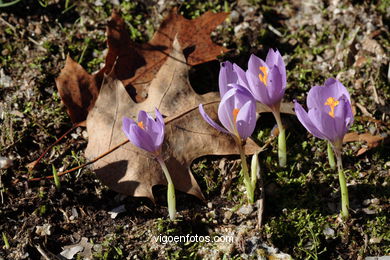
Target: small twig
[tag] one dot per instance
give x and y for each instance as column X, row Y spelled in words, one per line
column 83, row 165
column 40, row 250
column 8, row 24
column 34, row 163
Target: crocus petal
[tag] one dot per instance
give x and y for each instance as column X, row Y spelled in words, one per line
column 226, row 76
column 241, row 96
column 160, row 128
column 143, row 117
column 275, row 58
column 348, row 112
column 275, row 87
column 315, row 97
column 339, row 119
column 324, row 123
column 338, row 87
column 246, row 119
column 225, row 110
column 254, row 65
column 241, row 76
column 210, row 121
column 258, row 89
column 141, row 139
column 126, row 122
column 306, row 121
column 318, row 95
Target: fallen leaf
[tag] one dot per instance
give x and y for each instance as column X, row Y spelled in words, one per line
column 140, row 63
column 78, row 90
column 84, row 248
column 136, row 65
column 371, row 140
column 132, row 171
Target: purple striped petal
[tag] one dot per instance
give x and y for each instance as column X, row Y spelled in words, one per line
column 246, row 119
column 226, row 76
column 306, row 121
column 210, row 121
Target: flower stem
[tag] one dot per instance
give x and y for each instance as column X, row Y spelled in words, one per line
column 250, row 189
column 343, row 184
column 332, row 162
column 282, row 151
column 171, row 190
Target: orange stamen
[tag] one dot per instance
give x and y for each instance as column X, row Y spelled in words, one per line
column 141, row 125
column 263, row 77
column 235, row 113
column 332, row 103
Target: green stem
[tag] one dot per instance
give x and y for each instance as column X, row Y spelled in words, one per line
column 282, row 151
column 343, row 183
column 247, row 181
column 331, row 160
column 171, row 190
column 56, row 179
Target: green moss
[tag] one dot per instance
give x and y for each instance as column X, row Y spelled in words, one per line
column 302, row 227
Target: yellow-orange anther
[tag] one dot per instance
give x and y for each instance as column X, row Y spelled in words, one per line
column 141, row 124
column 235, row 113
column 332, row 103
column 263, row 77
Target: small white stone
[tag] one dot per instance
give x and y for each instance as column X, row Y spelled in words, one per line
column 245, row 210
column 366, row 202
column 375, row 240
column 375, row 201
column 329, row 232
column 5, row 162
column 43, row 230
column 114, row 212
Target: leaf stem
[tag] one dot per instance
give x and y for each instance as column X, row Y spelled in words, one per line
column 171, row 189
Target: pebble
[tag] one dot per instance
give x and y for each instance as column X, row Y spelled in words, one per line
column 369, row 211
column 375, row 240
column 43, row 230
column 210, row 205
column 234, row 16
column 5, row 162
column 328, row 232
column 366, row 202
column 211, row 214
column 227, row 215
column 375, row 201
column 245, row 210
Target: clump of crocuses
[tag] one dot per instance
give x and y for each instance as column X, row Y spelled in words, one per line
column 237, row 114
column 266, row 81
column 329, row 118
column 148, row 134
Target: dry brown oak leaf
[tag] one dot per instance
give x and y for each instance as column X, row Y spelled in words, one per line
column 372, row 141
column 137, row 64
column 132, row 171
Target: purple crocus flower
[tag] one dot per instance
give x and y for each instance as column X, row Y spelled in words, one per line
column 147, row 133
column 265, row 80
column 236, row 112
column 227, row 76
column 330, row 113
